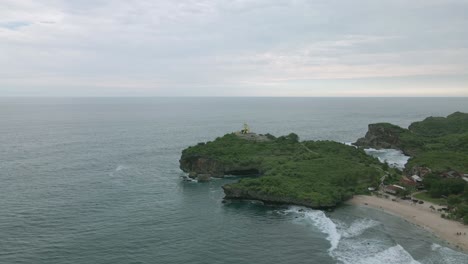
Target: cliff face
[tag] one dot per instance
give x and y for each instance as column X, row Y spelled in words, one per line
column 437, row 144
column 203, row 168
column 381, row 135
column 195, row 165
column 233, row 192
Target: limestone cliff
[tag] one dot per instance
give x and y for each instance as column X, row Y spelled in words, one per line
column 233, row 192
column 437, row 144
column 203, row 168
column 381, row 135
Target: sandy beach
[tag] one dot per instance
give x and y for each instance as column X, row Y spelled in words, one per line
column 421, row 215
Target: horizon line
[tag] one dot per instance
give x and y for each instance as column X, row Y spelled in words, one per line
column 208, row 96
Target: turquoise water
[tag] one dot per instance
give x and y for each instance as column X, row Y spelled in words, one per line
column 96, row 180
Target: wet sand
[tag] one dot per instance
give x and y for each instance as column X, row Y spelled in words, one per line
column 421, row 215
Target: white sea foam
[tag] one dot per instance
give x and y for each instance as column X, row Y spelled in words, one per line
column 435, row 247
column 121, row 167
column 326, row 226
column 394, row 158
column 347, row 244
column 350, row 144
column 395, row 255
column 358, row 227
column 445, row 255
column 322, row 222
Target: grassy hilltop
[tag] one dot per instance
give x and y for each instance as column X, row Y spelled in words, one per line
column 312, row 173
column 439, row 143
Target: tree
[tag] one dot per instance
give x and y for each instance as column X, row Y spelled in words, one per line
column 453, row 200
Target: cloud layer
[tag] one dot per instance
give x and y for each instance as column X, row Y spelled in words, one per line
column 234, row 48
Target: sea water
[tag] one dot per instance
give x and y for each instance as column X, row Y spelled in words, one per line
column 96, row 180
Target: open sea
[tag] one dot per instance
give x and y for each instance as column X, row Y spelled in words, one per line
column 97, row 180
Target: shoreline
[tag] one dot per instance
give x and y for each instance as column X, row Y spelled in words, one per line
column 420, row 215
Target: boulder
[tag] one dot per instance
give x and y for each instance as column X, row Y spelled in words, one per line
column 381, row 136
column 203, row 177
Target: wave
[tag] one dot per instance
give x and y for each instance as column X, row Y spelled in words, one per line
column 358, row 227
column 394, row 158
column 326, row 226
column 321, row 221
column 121, row 167
column 445, row 255
column 395, row 255
column 347, row 244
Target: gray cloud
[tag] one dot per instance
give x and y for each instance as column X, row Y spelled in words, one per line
column 234, row 47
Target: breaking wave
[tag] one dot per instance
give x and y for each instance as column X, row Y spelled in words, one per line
column 326, row 226
column 119, row 168
column 346, row 244
column 358, row 227
column 445, row 255
column 394, row 158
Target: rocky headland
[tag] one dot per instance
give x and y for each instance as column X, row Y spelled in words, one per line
column 381, row 136
column 438, row 147
column 323, row 174
column 284, row 170
column 438, row 143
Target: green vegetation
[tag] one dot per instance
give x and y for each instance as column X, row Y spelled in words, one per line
column 321, row 173
column 441, row 161
column 391, row 128
column 393, row 177
column 452, row 192
column 324, row 173
column 440, row 144
column 426, row 197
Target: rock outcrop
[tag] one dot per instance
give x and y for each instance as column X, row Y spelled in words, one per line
column 235, row 193
column 195, row 165
column 303, row 173
column 436, row 144
column 203, row 168
column 381, row 135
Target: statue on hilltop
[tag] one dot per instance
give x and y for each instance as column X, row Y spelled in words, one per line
column 246, row 129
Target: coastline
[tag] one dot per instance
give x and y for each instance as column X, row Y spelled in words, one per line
column 420, row 215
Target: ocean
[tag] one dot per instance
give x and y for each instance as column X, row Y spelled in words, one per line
column 97, row 180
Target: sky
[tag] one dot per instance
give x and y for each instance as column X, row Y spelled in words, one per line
column 234, row 48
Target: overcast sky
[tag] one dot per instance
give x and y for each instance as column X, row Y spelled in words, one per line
column 233, row 48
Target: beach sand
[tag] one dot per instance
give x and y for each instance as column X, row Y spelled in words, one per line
column 421, row 215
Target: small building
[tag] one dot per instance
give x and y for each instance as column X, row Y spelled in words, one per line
column 416, row 178
column 390, row 189
column 408, row 182
column 393, row 189
column 451, row 174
